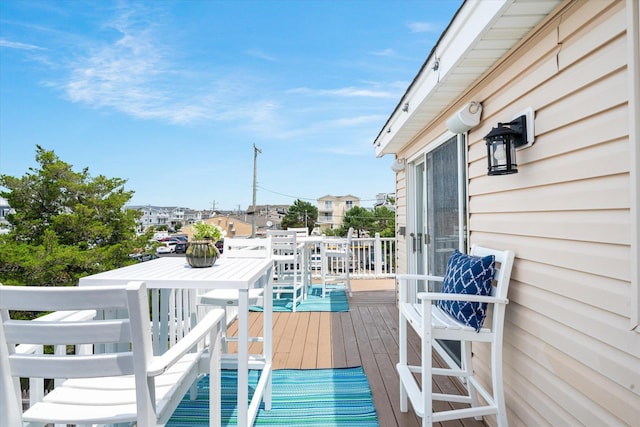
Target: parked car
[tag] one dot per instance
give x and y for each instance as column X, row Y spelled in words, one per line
column 166, row 248
column 180, row 248
column 169, row 239
column 142, row 257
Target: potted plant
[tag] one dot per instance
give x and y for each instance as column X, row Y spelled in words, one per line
column 202, row 251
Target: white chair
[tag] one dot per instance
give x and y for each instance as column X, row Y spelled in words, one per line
column 300, row 231
column 434, row 322
column 288, row 259
column 336, row 262
column 125, row 383
column 236, row 247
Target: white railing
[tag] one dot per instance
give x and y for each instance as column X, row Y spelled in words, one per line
column 371, row 258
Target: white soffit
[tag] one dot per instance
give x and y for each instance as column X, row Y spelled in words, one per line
column 480, row 34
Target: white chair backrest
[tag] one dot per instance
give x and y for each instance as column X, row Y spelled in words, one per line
column 350, row 235
column 110, row 327
column 300, row 231
column 283, row 242
column 114, row 334
column 504, row 264
column 245, row 248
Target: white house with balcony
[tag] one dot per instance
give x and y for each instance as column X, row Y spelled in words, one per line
column 155, row 216
column 331, row 210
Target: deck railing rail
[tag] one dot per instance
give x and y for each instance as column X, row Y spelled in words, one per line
column 371, row 258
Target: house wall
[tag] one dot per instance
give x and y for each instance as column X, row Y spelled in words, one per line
column 571, row 356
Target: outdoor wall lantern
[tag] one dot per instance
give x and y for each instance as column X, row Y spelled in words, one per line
column 503, row 140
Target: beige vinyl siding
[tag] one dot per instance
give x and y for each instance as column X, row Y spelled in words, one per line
column 571, row 357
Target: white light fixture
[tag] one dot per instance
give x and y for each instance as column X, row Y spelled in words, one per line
column 398, row 165
column 466, row 118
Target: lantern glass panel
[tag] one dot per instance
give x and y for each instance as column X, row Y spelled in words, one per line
column 502, row 155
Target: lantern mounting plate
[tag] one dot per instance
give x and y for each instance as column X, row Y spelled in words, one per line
column 528, row 136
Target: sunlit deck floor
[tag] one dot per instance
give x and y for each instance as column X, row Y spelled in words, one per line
column 366, row 335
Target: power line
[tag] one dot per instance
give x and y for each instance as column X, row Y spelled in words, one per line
column 303, row 198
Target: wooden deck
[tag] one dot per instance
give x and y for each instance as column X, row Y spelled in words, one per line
column 366, row 335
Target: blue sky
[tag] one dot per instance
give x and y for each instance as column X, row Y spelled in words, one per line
column 172, row 95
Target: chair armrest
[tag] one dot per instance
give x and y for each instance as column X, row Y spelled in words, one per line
column 420, row 277
column 403, row 280
column 437, row 296
column 163, row 362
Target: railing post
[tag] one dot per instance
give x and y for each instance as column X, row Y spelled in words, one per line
column 378, row 255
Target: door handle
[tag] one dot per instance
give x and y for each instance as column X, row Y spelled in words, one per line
column 420, row 241
column 413, row 240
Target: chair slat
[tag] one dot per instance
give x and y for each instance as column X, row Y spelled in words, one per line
column 89, row 366
column 32, row 298
column 100, row 331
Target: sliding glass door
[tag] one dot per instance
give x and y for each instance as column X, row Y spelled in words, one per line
column 437, row 209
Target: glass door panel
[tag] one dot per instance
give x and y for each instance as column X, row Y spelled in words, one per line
column 443, row 208
column 445, row 212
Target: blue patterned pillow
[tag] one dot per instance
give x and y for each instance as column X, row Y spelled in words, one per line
column 472, row 275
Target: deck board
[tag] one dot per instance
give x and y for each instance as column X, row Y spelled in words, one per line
column 366, row 335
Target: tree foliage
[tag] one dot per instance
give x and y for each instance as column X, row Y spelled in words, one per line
column 383, row 222
column 66, row 224
column 365, row 222
column 300, row 214
column 359, row 218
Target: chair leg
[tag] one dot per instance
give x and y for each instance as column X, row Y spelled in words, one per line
column 467, row 366
column 348, row 278
column 427, row 375
column 404, row 400
column 223, row 334
column 498, row 388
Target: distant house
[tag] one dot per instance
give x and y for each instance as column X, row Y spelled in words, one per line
column 5, row 209
column 155, row 216
column 386, row 200
column 331, row 210
column 230, row 225
column 570, row 213
column 267, row 217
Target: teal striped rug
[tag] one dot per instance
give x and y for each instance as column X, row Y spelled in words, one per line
column 309, row 397
column 335, row 300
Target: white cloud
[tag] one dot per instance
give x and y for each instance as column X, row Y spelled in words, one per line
column 257, row 53
column 384, row 52
column 422, row 27
column 18, row 45
column 343, row 92
column 134, row 75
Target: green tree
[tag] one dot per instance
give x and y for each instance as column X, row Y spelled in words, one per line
column 66, row 224
column 383, row 222
column 359, row 218
column 300, row 214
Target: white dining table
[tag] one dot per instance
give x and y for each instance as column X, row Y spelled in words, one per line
column 240, row 274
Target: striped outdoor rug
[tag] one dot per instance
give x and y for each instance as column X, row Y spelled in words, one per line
column 335, row 300
column 310, row 397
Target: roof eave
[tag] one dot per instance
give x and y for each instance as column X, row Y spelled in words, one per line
column 479, row 35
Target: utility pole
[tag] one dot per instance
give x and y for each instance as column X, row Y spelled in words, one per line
column 256, row 151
